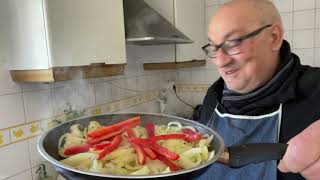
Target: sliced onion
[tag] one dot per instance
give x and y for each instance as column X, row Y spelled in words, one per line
column 176, row 124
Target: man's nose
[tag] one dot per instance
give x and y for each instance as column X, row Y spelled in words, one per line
column 222, row 59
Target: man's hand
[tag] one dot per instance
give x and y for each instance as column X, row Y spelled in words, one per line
column 303, row 153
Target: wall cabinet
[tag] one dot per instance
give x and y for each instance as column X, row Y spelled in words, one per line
column 49, row 34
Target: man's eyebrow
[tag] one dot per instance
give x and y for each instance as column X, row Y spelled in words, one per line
column 225, row 37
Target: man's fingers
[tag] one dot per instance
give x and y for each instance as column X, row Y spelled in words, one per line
column 283, row 167
column 303, row 150
column 313, row 171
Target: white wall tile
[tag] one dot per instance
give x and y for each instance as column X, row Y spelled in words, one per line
column 303, row 39
column 288, row 36
column 79, row 95
column 306, row 56
column 149, row 107
column 317, row 38
column 145, row 83
column 125, row 87
column 7, row 86
column 284, row 5
column 198, row 97
column 198, row 76
column 302, row 5
column 79, row 82
column 35, row 86
column 116, row 89
column 151, row 82
column 287, row 20
column 317, row 25
column 38, row 105
column 103, row 93
column 212, row 2
column 35, row 156
column 317, row 3
column 131, row 87
column 211, row 76
column 176, row 107
column 304, row 19
column 184, row 77
column 317, row 57
column 14, row 159
column 12, row 111
column 26, row 175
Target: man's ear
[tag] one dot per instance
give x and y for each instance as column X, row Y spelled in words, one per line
column 277, row 34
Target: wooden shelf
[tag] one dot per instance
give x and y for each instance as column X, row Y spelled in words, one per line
column 67, row 73
column 174, row 65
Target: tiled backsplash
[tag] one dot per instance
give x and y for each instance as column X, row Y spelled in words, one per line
column 27, row 109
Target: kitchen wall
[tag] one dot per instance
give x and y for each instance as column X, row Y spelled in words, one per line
column 24, row 105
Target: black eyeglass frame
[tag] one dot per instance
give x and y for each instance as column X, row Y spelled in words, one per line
column 238, row 40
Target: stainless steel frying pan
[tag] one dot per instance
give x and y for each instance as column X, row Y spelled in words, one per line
column 235, row 157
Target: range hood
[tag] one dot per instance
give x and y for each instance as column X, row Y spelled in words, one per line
column 145, row 26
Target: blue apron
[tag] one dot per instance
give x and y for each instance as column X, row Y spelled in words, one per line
column 237, row 129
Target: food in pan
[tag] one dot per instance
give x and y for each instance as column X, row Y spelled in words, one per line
column 127, row 148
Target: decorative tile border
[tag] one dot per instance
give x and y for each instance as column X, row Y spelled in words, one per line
column 4, row 137
column 29, row 130
column 192, row 87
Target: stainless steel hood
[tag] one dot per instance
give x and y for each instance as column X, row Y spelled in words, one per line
column 145, row 26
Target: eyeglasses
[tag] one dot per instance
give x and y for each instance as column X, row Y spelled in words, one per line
column 230, row 47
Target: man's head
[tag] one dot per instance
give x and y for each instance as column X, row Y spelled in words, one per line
column 252, row 59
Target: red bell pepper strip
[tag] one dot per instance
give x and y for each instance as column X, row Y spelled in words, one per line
column 76, row 149
column 140, row 153
column 164, row 151
column 131, row 133
column 150, row 130
column 157, row 148
column 101, row 146
column 114, row 145
column 168, row 163
column 109, row 135
column 191, row 135
column 137, row 147
column 107, row 129
column 149, row 153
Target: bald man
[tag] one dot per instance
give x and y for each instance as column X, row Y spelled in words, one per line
column 264, row 93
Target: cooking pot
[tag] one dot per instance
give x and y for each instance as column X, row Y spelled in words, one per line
column 235, row 156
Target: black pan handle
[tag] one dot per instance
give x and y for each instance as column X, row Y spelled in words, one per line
column 245, row 154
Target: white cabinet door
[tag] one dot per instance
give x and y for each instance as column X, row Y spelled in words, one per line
column 28, row 48
column 82, row 32
column 190, row 19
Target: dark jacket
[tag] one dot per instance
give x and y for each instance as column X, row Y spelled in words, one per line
column 298, row 91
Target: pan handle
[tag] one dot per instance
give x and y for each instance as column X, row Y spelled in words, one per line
column 246, row 154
